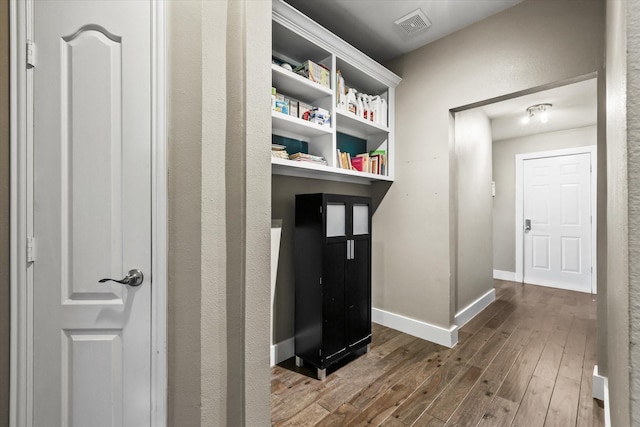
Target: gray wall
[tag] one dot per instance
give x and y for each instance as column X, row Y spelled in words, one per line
column 4, row 213
column 184, row 144
column 504, row 153
column 474, row 275
column 633, row 181
column 502, row 54
column 623, row 164
column 219, row 219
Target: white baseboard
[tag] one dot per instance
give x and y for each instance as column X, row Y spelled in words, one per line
column 504, row 275
column 607, row 407
column 417, row 328
column 598, row 384
column 473, row 309
column 282, row 351
column 600, row 390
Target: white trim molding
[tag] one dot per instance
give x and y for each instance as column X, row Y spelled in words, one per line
column 282, row 351
column 19, row 397
column 416, row 328
column 159, row 216
column 504, row 275
column 519, row 168
column 473, row 309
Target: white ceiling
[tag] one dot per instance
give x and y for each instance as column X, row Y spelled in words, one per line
column 369, row 24
column 574, row 106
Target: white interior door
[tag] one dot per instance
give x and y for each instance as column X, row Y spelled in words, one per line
column 557, row 222
column 91, row 213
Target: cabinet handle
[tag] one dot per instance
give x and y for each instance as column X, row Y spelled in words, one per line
column 350, row 249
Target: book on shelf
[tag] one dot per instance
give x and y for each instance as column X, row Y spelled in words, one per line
column 345, row 162
column 366, row 163
column 375, row 161
column 358, row 163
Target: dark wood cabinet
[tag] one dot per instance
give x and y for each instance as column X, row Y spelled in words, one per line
column 333, row 278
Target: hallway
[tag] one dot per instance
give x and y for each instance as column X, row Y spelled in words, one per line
column 527, row 360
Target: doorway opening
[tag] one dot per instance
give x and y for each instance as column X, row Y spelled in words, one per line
column 518, row 134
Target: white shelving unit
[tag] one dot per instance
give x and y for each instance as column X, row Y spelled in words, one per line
column 296, row 39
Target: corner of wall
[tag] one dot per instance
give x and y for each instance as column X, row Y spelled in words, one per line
column 475, row 308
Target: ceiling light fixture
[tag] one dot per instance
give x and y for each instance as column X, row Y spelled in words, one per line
column 539, row 110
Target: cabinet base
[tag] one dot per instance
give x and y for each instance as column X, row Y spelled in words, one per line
column 322, row 374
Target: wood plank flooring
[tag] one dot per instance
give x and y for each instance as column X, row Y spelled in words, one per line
column 527, row 360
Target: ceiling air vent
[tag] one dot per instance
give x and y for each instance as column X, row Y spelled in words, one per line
column 412, row 23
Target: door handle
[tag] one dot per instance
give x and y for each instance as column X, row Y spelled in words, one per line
column 133, row 278
column 527, row 225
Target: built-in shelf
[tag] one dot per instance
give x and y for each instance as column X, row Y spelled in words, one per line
column 291, row 124
column 297, row 39
column 297, row 86
column 347, row 122
column 318, row 171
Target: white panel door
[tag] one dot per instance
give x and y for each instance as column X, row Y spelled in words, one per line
column 557, row 219
column 91, row 213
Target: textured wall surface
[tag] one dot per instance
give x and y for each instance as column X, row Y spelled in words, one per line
column 633, row 146
column 504, row 209
column 219, row 217
column 633, row 142
column 184, row 146
column 500, row 55
column 4, row 213
column 618, row 317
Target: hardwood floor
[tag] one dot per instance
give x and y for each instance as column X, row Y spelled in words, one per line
column 527, row 360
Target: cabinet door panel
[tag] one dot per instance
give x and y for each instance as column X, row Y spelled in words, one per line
column 336, row 219
column 360, row 219
column 358, row 292
column 333, row 331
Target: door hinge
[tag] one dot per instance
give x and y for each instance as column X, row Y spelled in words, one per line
column 31, row 54
column 31, row 249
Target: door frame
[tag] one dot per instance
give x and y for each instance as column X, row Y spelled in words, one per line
column 21, row 155
column 519, row 168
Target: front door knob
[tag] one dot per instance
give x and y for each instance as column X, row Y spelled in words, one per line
column 133, row 278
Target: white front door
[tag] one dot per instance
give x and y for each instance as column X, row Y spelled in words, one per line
column 91, row 213
column 557, row 222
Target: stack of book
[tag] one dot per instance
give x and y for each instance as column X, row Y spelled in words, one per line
column 279, row 151
column 303, row 157
column 374, row 162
